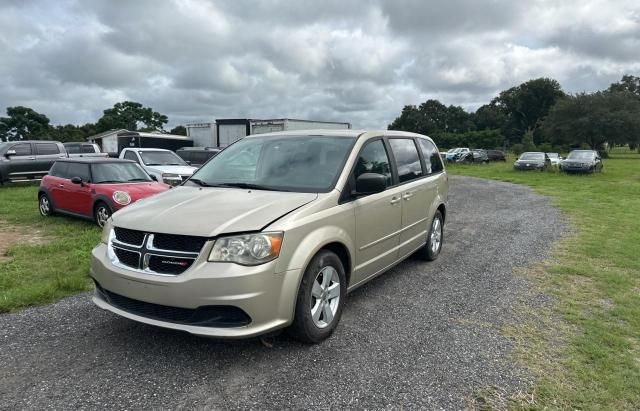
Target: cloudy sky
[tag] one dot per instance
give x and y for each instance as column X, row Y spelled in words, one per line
column 358, row 61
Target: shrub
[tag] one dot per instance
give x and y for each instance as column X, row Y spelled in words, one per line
column 517, row 149
column 546, row 148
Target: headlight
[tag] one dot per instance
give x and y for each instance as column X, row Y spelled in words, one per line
column 121, row 197
column 106, row 231
column 249, row 249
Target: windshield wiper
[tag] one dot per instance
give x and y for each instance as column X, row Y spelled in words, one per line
column 249, row 186
column 138, row 179
column 200, row 182
column 108, row 182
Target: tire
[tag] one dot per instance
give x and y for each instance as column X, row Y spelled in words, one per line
column 45, row 206
column 324, row 271
column 101, row 213
column 430, row 251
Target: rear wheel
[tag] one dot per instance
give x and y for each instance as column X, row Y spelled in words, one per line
column 320, row 298
column 101, row 213
column 431, row 250
column 44, row 205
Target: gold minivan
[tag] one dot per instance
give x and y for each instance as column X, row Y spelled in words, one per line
column 273, row 232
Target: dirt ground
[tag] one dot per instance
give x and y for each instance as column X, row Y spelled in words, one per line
column 10, row 235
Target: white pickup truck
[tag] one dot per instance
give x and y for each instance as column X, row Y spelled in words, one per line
column 163, row 165
column 81, row 149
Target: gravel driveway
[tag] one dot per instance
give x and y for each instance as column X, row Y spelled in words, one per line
column 422, row 335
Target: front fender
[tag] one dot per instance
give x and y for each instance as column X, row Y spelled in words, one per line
column 315, row 241
column 297, row 259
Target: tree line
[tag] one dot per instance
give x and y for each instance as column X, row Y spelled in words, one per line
column 537, row 114
column 24, row 123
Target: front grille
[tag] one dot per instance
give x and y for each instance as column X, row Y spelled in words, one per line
column 154, row 253
column 125, row 235
column 128, row 258
column 185, row 243
column 205, row 316
column 169, row 265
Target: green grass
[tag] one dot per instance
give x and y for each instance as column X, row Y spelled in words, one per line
column 56, row 266
column 585, row 350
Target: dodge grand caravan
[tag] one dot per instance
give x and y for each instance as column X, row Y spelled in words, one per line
column 273, row 232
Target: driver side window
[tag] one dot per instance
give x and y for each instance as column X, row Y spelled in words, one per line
column 374, row 159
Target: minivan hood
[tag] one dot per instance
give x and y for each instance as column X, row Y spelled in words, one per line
column 209, row 212
column 182, row 170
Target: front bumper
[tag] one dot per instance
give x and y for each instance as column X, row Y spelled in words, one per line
column 267, row 298
column 576, row 169
column 523, row 167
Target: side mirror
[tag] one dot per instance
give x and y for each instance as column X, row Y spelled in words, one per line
column 188, row 162
column 76, row 180
column 10, row 153
column 370, row 183
column 154, row 178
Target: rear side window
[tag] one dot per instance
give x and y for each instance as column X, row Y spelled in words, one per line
column 407, row 159
column 88, row 148
column 78, row 170
column 59, row 169
column 374, row 159
column 23, row 149
column 44, row 149
column 130, row 155
column 72, row 148
column 432, row 159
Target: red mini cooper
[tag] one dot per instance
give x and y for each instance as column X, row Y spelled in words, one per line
column 94, row 188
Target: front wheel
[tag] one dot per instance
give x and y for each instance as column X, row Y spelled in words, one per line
column 320, row 298
column 101, row 214
column 431, row 250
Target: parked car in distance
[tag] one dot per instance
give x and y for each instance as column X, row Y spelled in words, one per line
column 454, row 152
column 582, row 161
column 28, row 160
column 83, row 149
column 273, row 232
column 496, row 155
column 555, row 158
column 532, row 161
column 163, row 165
column 473, row 156
column 94, row 188
column 197, row 156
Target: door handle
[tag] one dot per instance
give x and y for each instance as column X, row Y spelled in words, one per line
column 395, row 200
column 61, row 185
column 407, row 195
column 31, row 158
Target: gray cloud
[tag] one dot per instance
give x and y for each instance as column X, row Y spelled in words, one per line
column 356, row 61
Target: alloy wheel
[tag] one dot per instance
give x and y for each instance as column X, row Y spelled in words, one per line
column 436, row 235
column 325, row 297
column 45, row 207
column 102, row 215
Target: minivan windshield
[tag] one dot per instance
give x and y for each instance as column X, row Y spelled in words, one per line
column 532, row 156
column 161, row 158
column 291, row 163
column 580, row 155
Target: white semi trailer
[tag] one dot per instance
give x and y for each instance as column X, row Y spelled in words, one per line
column 225, row 131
